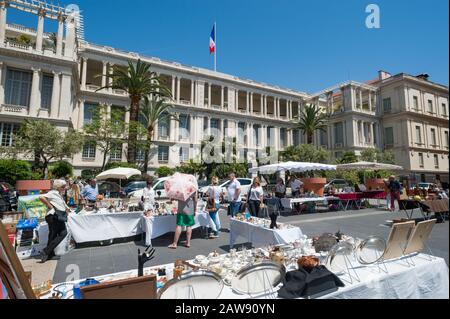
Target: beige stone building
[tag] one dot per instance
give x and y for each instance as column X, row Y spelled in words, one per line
column 57, row 79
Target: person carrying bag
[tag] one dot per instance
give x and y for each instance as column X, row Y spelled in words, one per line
column 56, row 218
column 213, row 206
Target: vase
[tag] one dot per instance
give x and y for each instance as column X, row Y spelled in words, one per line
column 315, row 185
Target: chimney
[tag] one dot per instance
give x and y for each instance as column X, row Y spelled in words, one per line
column 423, row 76
column 383, row 75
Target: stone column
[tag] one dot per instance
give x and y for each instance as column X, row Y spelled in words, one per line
column 60, row 35
column 173, row 88
column 209, row 95
column 80, row 114
column 373, row 132
column 55, row 95
column 278, row 108
column 104, row 71
column 65, row 100
column 84, row 75
column 249, row 135
column 3, row 12
column 251, row 103
column 236, row 102
column 40, row 30
column 35, row 100
column 208, row 126
column 178, row 89
column 2, row 87
column 172, row 132
column 360, row 99
column 192, row 92
column 370, row 100
column 222, row 97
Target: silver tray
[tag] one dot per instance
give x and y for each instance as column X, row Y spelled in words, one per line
column 201, row 284
column 370, row 250
column 259, row 278
column 338, row 255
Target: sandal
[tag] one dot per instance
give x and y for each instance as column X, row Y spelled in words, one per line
column 187, row 246
column 172, row 247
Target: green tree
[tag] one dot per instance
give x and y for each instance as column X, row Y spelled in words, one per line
column 138, row 81
column 112, row 165
column 310, row 120
column 193, row 168
column 347, row 158
column 23, row 39
column 105, row 130
column 151, row 112
column 376, row 155
column 12, row 170
column 305, row 153
column 46, row 143
column 164, row 171
column 60, row 169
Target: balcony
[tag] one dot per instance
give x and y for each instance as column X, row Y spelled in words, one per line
column 185, row 102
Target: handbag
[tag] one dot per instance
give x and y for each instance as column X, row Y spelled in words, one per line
column 211, row 203
column 61, row 216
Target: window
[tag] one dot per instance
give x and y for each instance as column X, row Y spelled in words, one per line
column 215, row 128
column 323, row 137
column 89, row 150
column 430, row 106
column 387, row 107
column 446, row 138
column 184, row 127
column 339, row 134
column 115, row 154
column 296, row 137
column 433, row 137
column 47, row 91
column 256, row 135
column 142, row 120
column 89, row 110
column 421, row 164
column 444, row 109
column 389, row 136
column 140, row 155
column 18, row 87
column 163, row 154
column 270, row 136
column 436, row 161
column 416, row 103
column 184, row 154
column 163, row 128
column 418, row 135
column 7, row 131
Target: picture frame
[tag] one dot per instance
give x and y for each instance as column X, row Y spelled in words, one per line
column 398, row 240
column 419, row 237
column 13, row 279
column 132, row 288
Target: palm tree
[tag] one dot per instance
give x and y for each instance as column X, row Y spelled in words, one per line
column 153, row 111
column 310, row 120
column 138, row 81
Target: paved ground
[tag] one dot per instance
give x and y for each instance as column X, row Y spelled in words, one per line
column 122, row 257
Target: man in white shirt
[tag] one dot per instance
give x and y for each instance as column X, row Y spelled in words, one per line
column 296, row 185
column 234, row 195
column 148, row 197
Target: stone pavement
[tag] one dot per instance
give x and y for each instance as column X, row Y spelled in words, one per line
column 95, row 261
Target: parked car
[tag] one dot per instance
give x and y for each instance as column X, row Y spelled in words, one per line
column 134, row 186
column 336, row 184
column 223, row 184
column 427, row 186
column 111, row 188
column 8, row 197
column 158, row 187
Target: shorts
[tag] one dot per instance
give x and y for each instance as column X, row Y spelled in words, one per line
column 185, row 220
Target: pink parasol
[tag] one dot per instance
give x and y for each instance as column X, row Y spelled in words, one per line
column 181, row 186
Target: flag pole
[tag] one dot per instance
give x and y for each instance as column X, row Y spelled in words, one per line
column 215, row 53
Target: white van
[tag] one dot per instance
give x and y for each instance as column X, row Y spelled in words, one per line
column 158, row 186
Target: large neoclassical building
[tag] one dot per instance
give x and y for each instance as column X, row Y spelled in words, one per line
column 54, row 76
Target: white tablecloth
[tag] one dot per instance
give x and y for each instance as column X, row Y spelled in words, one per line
column 289, row 202
column 155, row 227
column 260, row 236
column 108, row 226
column 427, row 279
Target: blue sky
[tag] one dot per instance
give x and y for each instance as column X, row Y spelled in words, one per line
column 303, row 45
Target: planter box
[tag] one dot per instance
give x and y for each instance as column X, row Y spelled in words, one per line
column 315, row 185
column 375, row 184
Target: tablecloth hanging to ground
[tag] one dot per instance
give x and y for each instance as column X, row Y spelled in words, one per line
column 154, row 227
column 260, row 236
column 108, row 226
column 427, row 279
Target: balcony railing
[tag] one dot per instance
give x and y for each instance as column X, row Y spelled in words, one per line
column 13, row 108
column 119, row 92
column 18, row 45
column 185, row 102
column 92, row 87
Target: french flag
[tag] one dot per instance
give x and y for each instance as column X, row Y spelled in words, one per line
column 212, row 41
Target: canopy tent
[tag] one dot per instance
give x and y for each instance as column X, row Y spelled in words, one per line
column 369, row 166
column 118, row 173
column 295, row 167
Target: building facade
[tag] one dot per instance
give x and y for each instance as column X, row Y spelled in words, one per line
column 58, row 78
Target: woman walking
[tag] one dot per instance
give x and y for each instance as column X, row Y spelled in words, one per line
column 255, row 197
column 185, row 218
column 213, row 206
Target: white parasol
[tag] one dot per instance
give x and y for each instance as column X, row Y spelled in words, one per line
column 370, row 166
column 296, row 167
column 118, row 173
column 181, row 186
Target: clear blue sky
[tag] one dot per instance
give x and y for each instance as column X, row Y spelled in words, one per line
column 303, row 45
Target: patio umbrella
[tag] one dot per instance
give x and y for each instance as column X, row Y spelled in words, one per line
column 118, row 173
column 296, row 167
column 181, row 186
column 370, row 166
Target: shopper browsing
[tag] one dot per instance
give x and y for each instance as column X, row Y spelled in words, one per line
column 255, row 197
column 234, row 194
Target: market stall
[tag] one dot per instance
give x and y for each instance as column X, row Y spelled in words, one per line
column 258, row 233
